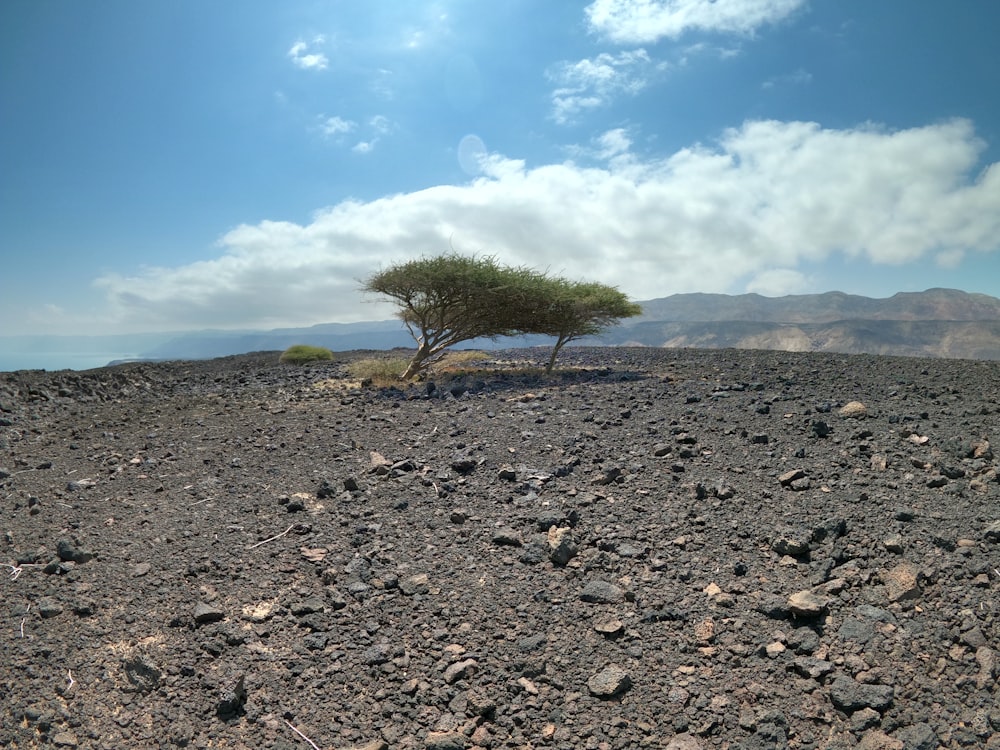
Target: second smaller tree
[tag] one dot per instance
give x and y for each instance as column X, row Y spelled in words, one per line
column 571, row 310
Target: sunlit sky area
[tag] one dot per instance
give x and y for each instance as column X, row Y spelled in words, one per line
column 174, row 165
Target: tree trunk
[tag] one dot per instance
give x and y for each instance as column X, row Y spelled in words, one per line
column 555, row 353
column 417, row 363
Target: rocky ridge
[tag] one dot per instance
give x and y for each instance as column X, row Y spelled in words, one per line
column 670, row 549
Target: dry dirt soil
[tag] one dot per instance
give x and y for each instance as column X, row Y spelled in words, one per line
column 650, row 549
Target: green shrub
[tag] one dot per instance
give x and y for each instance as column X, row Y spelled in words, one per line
column 303, row 354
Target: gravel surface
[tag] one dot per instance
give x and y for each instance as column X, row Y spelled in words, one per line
column 652, row 548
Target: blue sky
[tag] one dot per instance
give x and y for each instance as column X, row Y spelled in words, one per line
column 180, row 164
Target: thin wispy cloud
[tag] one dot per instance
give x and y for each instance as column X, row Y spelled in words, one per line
column 746, row 212
column 798, row 78
column 379, row 126
column 648, row 21
column 334, row 126
column 303, row 56
column 778, row 282
column 595, row 82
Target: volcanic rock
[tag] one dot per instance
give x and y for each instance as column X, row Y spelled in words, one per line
column 457, row 578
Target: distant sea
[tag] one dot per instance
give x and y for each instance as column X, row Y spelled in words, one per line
column 10, row 361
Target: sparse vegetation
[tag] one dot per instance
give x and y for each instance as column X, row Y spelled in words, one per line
column 303, row 354
column 379, row 371
column 384, row 372
column 572, row 310
column 452, row 298
column 453, row 360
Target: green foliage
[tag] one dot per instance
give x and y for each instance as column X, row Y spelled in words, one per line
column 452, row 298
column 303, row 354
column 572, row 310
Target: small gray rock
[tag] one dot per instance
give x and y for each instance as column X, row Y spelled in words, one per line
column 507, row 538
column 417, row 584
column 609, row 682
column 786, row 479
column 809, row 666
column 445, row 741
column 849, row 696
column 917, row 737
column 602, row 592
column 562, row 548
column 685, row 742
column 992, row 532
column 65, row 739
column 204, row 613
column 49, row 607
column 459, row 670
column 233, row 700
column 142, row 673
column 806, row 604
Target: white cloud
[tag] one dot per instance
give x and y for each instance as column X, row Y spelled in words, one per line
column 302, row 56
column 614, row 143
column 799, row 78
column 647, row 21
column 765, row 200
column 334, row 126
column 592, row 83
column 381, row 124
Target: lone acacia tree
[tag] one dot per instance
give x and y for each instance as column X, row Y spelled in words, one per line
column 451, row 298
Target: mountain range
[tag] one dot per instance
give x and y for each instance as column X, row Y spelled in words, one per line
column 933, row 323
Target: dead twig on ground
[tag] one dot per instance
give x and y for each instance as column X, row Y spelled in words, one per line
column 271, row 539
column 16, row 570
column 313, row 744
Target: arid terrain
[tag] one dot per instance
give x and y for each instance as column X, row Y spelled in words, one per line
column 652, row 548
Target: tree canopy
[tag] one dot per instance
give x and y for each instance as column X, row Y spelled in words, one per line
column 446, row 299
column 572, row 310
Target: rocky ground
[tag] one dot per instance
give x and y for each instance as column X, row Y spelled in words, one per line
column 652, row 549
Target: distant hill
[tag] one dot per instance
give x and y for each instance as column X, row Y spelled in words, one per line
column 934, row 323
column 933, row 304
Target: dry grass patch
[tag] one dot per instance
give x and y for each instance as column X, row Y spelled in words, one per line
column 378, row 371
column 457, row 359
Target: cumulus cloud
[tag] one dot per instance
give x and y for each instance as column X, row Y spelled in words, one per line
column 648, row 21
column 592, row 83
column 744, row 212
column 302, row 56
